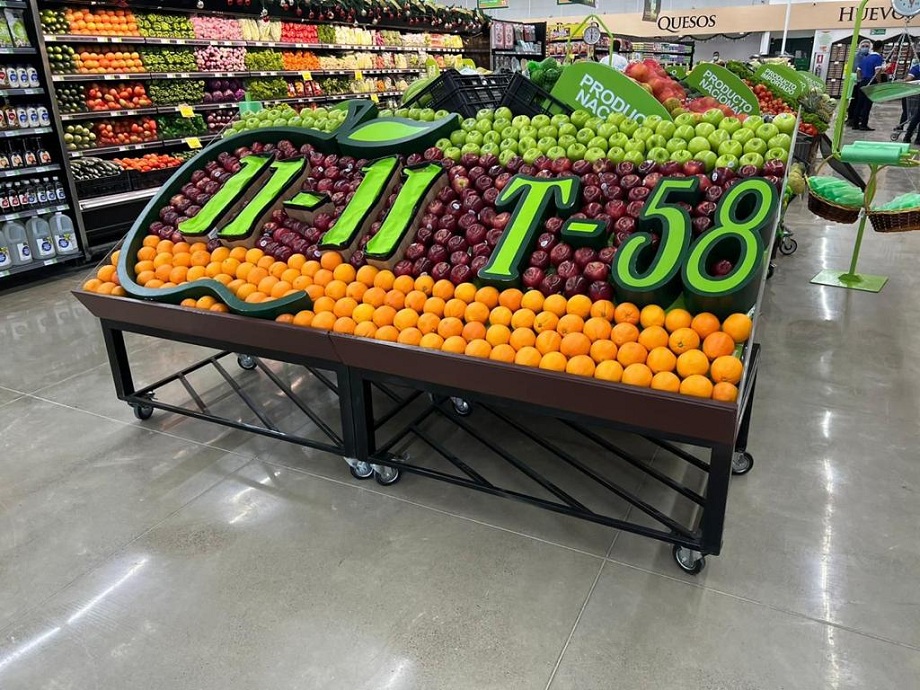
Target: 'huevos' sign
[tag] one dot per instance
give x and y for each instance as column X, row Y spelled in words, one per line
column 602, row 90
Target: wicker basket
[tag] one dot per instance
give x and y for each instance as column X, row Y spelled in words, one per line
column 895, row 221
column 831, row 211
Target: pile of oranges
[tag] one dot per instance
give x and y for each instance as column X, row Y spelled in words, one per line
column 108, row 62
column 672, row 351
column 101, row 22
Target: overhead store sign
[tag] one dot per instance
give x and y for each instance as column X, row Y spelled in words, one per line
column 586, row 3
column 783, row 79
column 492, row 4
column 603, row 91
column 725, row 87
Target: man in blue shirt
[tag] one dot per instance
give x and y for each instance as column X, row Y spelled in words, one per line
column 869, row 66
column 912, row 103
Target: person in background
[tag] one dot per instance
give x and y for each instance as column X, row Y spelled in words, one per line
column 913, row 74
column 869, row 65
column 715, row 57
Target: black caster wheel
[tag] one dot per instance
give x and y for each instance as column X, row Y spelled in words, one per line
column 360, row 469
column 742, row 462
column 788, row 246
column 461, row 407
column 143, row 412
column 689, row 561
column 771, row 270
column 387, row 476
column 247, row 362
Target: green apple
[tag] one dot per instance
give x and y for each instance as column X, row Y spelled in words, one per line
column 458, row 137
column 681, row 156
column 540, row 120
column 483, row 126
column 438, row 114
column 506, row 155
column 555, row 152
column 713, row 116
column 730, row 147
column 414, row 113
column 766, row 131
column 491, row 138
column 520, row 121
column 652, row 121
column 730, row 124
column 385, row 112
column 585, row 135
column 685, row 119
column 579, row 118
column 470, row 148
column 707, row 158
column 404, row 112
column 427, row 115
column 508, row 145
column 755, row 145
column 444, row 143
column 615, row 119
column 704, row 129
column 615, row 154
column 595, row 153
column 594, row 122
column 530, row 155
column 597, row 143
column 567, row 128
column 546, row 143
column 634, row 157
column 504, row 112
column 619, row 139
column 566, row 140
column 776, row 154
column 575, row 151
column 752, row 158
column 607, row 130
column 529, row 131
column 560, row 119
column 499, row 123
column 752, row 122
column 453, row 153
column 780, row 141
column 635, row 145
column 685, row 132
column 627, row 127
column 656, row 140
column 525, row 143
column 474, row 137
column 665, row 129
column 643, row 133
column 469, row 124
column 743, row 135
column 785, row 123
column 727, row 161
column 485, row 114
column 511, row 132
column 659, row 154
column 548, row 131
column 676, row 144
column 697, row 144
column 489, row 148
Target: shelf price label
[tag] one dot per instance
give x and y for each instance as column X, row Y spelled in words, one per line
column 193, row 142
column 186, row 110
column 359, row 75
column 374, row 98
column 306, row 76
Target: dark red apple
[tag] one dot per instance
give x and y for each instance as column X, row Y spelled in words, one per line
column 651, row 180
column 553, row 225
column 441, row 271
column 568, row 269
column 626, row 168
column 540, row 259
column 576, row 285
column 701, row 224
column 634, row 208
column 596, row 270
column 546, row 241
column 551, row 285
column 606, row 254
column 532, row 277
column 694, row 167
column 722, row 268
column 583, row 256
column 638, row 193
column 600, row 289
column 459, row 257
column 560, row 253
column 461, row 274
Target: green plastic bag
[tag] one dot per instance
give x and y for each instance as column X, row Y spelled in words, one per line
column 905, row 202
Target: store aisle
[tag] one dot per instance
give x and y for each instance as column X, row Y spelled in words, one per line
column 175, row 554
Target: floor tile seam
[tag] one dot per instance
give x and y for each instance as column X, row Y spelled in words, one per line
column 66, row 379
column 101, row 562
column 441, row 511
column 772, row 607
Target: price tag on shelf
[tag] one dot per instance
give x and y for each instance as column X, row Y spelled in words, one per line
column 306, row 76
column 49, row 262
column 374, row 98
column 186, row 110
column 359, row 74
column 193, row 142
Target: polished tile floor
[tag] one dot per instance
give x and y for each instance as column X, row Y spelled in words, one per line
column 176, row 554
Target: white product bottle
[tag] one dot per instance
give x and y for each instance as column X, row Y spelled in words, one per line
column 20, row 250
column 39, row 233
column 5, row 259
column 65, row 239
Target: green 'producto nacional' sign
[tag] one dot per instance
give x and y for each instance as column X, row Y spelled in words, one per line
column 724, row 86
column 603, row 91
column 781, row 79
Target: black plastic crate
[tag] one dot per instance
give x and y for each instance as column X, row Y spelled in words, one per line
column 103, row 186
column 806, row 149
column 526, row 98
column 462, row 93
column 154, row 178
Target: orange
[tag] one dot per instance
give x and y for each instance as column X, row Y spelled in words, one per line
column 726, row 369
column 666, row 381
column 163, row 271
column 405, row 284
column 388, row 333
column 106, row 288
column 344, row 306
column 545, row 321
column 363, row 313
column 528, row 356
column 476, row 311
column 521, row 338
column 415, row 300
column 696, row 385
column 267, row 284
column 365, row 275
column 554, row 361
column 256, row 297
column 142, row 279
column 499, row 334
column 637, row 375
column 424, row 284
column 626, row 312
column 410, row 336
column 570, row 323
column 277, row 269
column 503, row 353
column 431, row 341
column 548, row 341
column 610, row 370
column 251, row 274
column 162, row 260
column 738, row 326
column 513, row 299
column 677, row 318
column 454, row 307
column 206, row 302
column 356, row 290
column 624, row 333
column 164, row 246
column 148, row 266
column 223, row 279
column 234, row 285
column 146, row 253
column 465, row 292
column 315, row 291
column 554, row 303
column 188, row 302
column 597, row 328
column 428, row 323
column 631, row 353
column 473, row 331
column 533, row 300
column 201, row 258
column 449, row 326
column 661, row 359
column 651, row 315
column 443, row 289
column 603, row 309
column 195, row 273
column 295, row 261
column 154, row 284
column 454, row 344
column 683, row 339
column 433, row 305
column 106, row 273
column 266, row 262
column 523, row 318
column 705, row 323
column 336, row 289
column 724, row 391
column 220, row 254
column 488, row 296
column 405, row 318
column 575, row 344
column 652, row 337
column 344, row 272
column 384, row 315
column 579, row 305
column 718, row 344
column 479, row 347
column 580, row 365
column 303, row 318
column 344, row 324
column 323, row 304
column 374, row 296
column 602, row 350
column 151, row 241
column 329, row 260
column 395, row 299
column 308, row 269
column 500, row 315
column 384, row 280
column 322, row 277
column 692, row 362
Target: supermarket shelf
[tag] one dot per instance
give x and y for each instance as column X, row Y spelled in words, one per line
column 32, row 212
column 138, row 40
column 116, row 199
column 139, row 76
column 102, row 114
column 336, row 97
column 101, row 77
column 12, row 4
column 158, row 144
column 21, row 92
column 36, row 170
column 17, row 51
column 28, row 132
column 522, row 53
column 39, row 264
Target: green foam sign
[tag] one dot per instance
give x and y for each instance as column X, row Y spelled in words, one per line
column 603, row 91
column 811, row 81
column 780, row 79
column 725, row 87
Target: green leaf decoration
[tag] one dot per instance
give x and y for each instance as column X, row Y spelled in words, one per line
column 389, row 135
